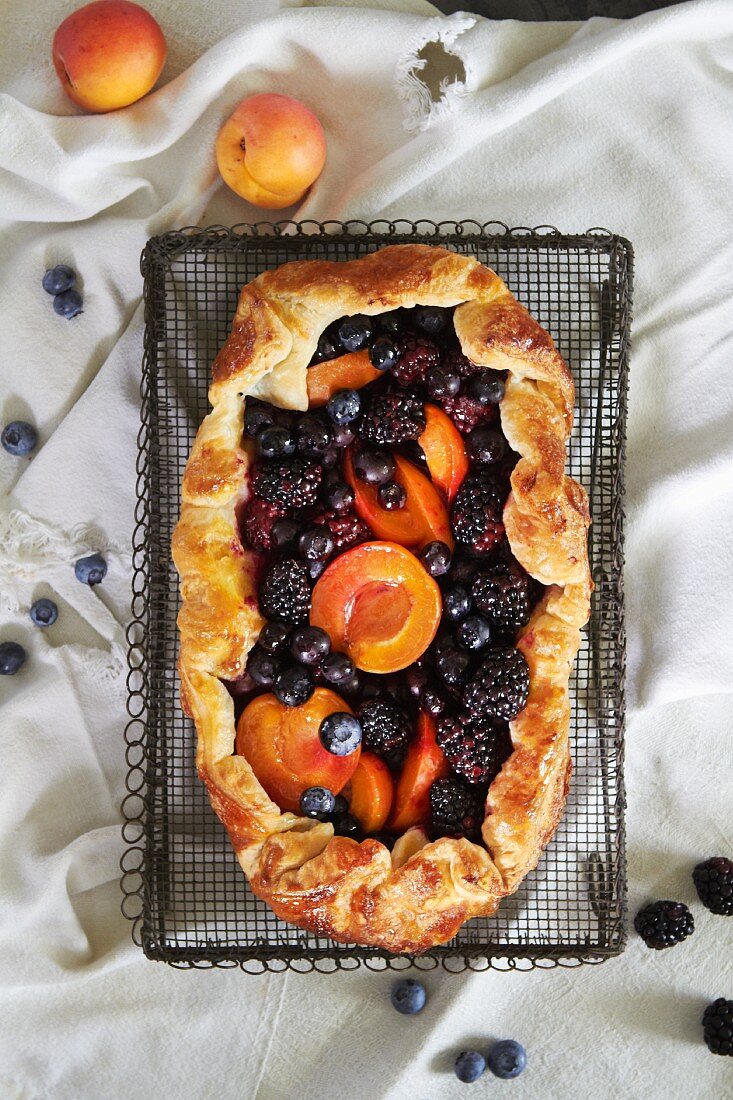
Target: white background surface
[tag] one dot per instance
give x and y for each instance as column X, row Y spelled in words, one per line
column 621, row 125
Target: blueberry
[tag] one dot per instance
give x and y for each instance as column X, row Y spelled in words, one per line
column 340, row 806
column 339, row 496
column 431, row 319
column 294, row 686
column 310, row 644
column 408, row 996
column 453, row 666
column 317, row 802
column 315, row 544
column 392, row 496
column 355, row 332
column 68, row 304
column 469, row 1065
column 58, row 279
column 12, row 658
column 473, row 633
column 314, row 436
column 507, row 1059
column 316, row 569
column 275, row 636
column 257, row 417
column 456, row 602
column 436, row 556
column 276, row 442
column 432, row 701
column 91, row 570
column 44, row 612
column 329, row 458
column 351, row 687
column 347, row 825
column 416, row 678
column 442, row 382
column 19, row 438
column 487, row 388
column 373, row 466
column 337, row 668
column 486, row 445
column 383, row 353
column 343, row 435
column 340, row 733
column 393, row 321
column 344, row 406
column 263, row 667
column 325, row 348
column 284, row 534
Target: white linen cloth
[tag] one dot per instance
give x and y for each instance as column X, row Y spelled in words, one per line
column 625, row 125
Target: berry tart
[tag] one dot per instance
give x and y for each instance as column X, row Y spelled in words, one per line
column 384, row 575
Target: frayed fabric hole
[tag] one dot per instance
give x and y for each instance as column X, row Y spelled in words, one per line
column 433, row 74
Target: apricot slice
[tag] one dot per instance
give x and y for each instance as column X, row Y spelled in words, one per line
column 378, row 605
column 371, row 792
column 424, row 517
column 347, row 372
column 284, row 751
column 444, row 451
column 423, row 764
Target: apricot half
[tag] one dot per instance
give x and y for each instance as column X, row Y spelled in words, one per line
column 444, row 451
column 378, row 605
column 424, row 517
column 284, row 751
column 423, row 764
column 371, row 790
column 347, row 372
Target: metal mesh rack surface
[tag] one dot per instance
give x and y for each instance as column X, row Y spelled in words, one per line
column 182, row 885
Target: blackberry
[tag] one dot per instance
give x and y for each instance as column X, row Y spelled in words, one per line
column 466, row 412
column 714, row 884
column 717, row 1022
column 502, row 595
column 390, row 418
column 454, row 360
column 385, row 729
column 417, row 356
column 456, row 809
column 346, row 528
column 475, row 748
column 500, row 687
column 477, row 514
column 664, row 923
column 287, row 484
column 257, row 523
column 285, row 593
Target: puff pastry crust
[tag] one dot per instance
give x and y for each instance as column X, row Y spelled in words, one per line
column 420, row 894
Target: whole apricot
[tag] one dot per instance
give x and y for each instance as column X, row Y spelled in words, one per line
column 270, row 150
column 108, row 54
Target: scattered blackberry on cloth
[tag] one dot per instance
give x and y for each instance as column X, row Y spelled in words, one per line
column 477, row 514
column 714, row 884
column 475, row 748
column 417, row 356
column 502, row 594
column 391, row 418
column 500, row 687
column 664, row 923
column 257, row 523
column 717, row 1022
column 287, row 484
column 456, row 809
column 385, row 729
column 346, row 528
column 285, row 592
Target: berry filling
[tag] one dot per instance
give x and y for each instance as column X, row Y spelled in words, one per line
column 379, row 693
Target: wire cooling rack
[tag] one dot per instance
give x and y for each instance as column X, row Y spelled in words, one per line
column 183, row 889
